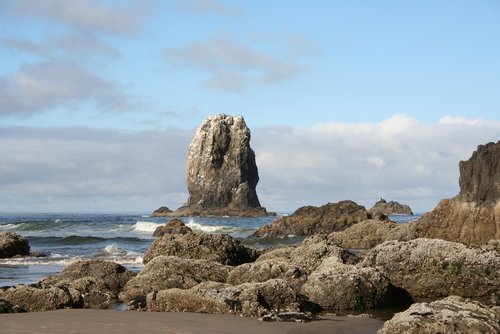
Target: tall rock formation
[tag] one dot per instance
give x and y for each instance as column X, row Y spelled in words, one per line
column 473, row 216
column 221, row 171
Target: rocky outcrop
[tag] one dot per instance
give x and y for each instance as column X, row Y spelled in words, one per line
column 310, row 254
column 221, row 171
column 368, row 234
column 98, row 282
column 430, row 269
column 337, row 286
column 450, row 315
column 391, row 207
column 115, row 276
column 473, row 216
column 167, row 272
column 12, row 244
column 220, row 248
column 6, row 307
column 309, row 220
column 248, row 299
column 175, row 226
column 35, row 299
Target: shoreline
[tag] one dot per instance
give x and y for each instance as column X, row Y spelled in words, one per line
column 82, row 321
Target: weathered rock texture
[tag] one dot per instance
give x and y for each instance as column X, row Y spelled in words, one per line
column 430, row 269
column 221, row 171
column 248, row 299
column 309, row 220
column 220, row 248
column 166, row 272
column 98, row 282
column 162, row 212
column 12, row 244
column 34, row 299
column 175, row 226
column 391, row 207
column 450, row 315
column 368, row 234
column 473, row 216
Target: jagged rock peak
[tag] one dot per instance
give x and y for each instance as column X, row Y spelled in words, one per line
column 391, row 207
column 480, row 175
column 221, row 171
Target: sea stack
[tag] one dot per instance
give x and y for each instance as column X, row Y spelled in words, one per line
column 221, row 171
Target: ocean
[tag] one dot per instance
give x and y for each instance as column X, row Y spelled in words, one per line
column 122, row 238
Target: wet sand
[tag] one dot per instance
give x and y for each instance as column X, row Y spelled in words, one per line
column 107, row 321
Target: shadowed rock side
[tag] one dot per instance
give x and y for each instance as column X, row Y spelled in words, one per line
column 449, row 315
column 221, row 171
column 473, row 216
column 309, row 220
column 391, row 207
column 12, row 244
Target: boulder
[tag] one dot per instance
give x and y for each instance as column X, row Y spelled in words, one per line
column 95, row 293
column 113, row 275
column 161, row 212
column 310, row 254
column 309, row 220
column 449, row 315
column 166, row 272
column 473, row 216
column 220, row 248
column 6, row 307
column 221, row 171
column 248, row 299
column 12, row 244
column 430, row 269
column 265, row 270
column 34, row 299
column 337, row 286
column 391, row 207
column 175, row 226
column 368, row 234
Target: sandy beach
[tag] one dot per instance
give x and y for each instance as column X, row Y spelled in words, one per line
column 108, row 321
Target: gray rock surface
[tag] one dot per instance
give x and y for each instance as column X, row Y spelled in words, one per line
column 222, row 175
column 12, row 244
column 34, row 299
column 166, row 272
column 449, row 315
column 391, row 207
column 162, row 212
column 337, row 286
column 430, row 269
column 309, row 220
column 115, row 276
column 248, row 299
column 220, row 248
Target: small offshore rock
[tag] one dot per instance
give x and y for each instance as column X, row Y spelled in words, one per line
column 449, row 315
column 391, row 207
column 12, row 244
column 161, row 212
column 175, row 226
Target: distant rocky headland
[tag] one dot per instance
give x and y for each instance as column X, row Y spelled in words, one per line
column 222, row 174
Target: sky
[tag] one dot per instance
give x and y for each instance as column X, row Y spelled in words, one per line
column 357, row 100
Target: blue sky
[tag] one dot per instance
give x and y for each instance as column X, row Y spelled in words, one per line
column 336, row 74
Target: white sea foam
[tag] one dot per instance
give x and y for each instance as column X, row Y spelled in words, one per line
column 8, row 226
column 214, row 229
column 145, row 226
column 112, row 249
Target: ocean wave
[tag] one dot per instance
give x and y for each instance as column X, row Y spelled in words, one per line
column 81, row 240
column 145, row 226
column 217, row 228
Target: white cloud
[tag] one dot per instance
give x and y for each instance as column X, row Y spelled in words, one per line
column 89, row 170
column 232, row 66
column 123, row 17
column 37, row 87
